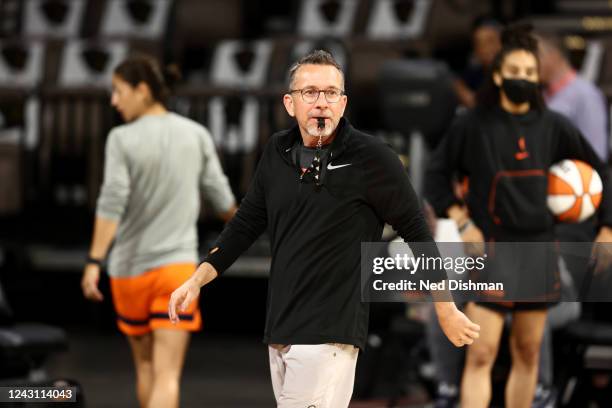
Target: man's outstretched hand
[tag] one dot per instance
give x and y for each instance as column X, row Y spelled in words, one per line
column 188, row 292
column 181, row 298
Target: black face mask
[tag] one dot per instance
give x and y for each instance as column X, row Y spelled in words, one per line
column 520, row 90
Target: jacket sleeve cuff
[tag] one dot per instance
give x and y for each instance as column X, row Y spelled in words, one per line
column 221, row 259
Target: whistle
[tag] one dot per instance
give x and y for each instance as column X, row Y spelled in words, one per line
column 321, row 123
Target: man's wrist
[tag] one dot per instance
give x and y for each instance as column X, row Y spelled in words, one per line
column 445, row 309
column 204, row 274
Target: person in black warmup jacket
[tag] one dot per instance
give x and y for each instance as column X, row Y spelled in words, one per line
column 505, row 146
column 320, row 189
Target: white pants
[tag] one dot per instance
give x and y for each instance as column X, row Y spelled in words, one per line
column 313, row 375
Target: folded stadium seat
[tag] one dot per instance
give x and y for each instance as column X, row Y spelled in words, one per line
column 75, row 120
column 75, row 123
column 24, row 347
column 53, row 18
column 85, row 73
column 417, row 100
column 24, row 350
column 19, row 118
column 419, row 28
column 387, row 31
column 335, row 47
column 196, row 26
column 417, row 96
column 241, row 64
column 585, row 346
column 21, row 63
column 89, row 64
column 198, row 23
column 586, row 349
column 145, row 19
column 365, row 62
column 234, row 124
column 449, row 23
column 241, row 68
column 327, row 18
column 394, row 20
column 426, row 28
column 21, row 72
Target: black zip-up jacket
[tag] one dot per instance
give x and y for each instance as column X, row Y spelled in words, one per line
column 506, row 159
column 315, row 233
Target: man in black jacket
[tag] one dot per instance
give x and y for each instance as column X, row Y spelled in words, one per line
column 320, row 189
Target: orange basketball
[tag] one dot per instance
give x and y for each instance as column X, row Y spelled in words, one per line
column 574, row 190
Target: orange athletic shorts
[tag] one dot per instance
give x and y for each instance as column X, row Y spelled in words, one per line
column 141, row 302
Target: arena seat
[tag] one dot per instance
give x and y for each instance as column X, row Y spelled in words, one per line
column 587, row 349
column 417, row 100
column 24, row 347
column 135, row 19
column 326, row 18
column 53, row 18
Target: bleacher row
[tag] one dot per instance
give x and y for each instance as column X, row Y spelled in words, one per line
column 56, row 57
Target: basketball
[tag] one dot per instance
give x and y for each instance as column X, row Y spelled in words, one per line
column 574, row 190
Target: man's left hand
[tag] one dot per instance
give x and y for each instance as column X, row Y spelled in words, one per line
column 456, row 326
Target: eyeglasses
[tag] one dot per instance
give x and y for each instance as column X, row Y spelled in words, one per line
column 311, row 95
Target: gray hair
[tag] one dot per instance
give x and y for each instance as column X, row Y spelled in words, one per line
column 316, row 57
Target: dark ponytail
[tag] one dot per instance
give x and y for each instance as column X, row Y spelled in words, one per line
column 145, row 69
column 514, row 37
